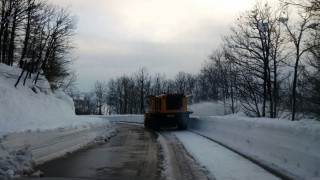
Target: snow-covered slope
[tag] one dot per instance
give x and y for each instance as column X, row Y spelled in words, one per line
column 30, row 107
column 37, row 124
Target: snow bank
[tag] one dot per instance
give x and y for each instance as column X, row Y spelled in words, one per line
column 291, row 147
column 35, row 108
column 14, row 161
column 31, row 107
column 37, row 125
column 109, row 131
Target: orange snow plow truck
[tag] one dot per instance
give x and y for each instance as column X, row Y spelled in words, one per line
column 167, row 110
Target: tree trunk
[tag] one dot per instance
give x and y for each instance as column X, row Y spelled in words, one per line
column 275, row 91
column 3, row 21
column 294, row 87
column 265, row 76
column 12, row 38
column 27, row 35
column 5, row 45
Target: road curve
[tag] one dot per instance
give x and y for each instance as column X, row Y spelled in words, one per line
column 131, row 154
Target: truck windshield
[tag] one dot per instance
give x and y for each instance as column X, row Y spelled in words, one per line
column 174, row 102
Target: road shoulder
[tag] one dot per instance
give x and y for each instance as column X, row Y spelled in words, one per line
column 178, row 163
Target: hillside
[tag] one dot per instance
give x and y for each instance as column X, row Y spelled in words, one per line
column 33, row 108
column 37, row 125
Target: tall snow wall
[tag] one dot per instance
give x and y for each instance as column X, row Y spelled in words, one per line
column 291, row 147
column 31, row 107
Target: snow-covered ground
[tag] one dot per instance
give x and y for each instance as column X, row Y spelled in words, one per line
column 221, row 162
column 34, row 107
column 37, row 124
column 292, row 148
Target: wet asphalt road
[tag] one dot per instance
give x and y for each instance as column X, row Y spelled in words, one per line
column 132, row 154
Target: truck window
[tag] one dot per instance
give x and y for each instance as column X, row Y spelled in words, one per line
column 174, row 102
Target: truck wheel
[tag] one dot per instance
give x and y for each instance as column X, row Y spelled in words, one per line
column 146, row 122
column 155, row 123
column 183, row 123
column 146, row 125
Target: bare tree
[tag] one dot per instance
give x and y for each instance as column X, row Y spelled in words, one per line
column 298, row 32
column 112, row 100
column 158, row 84
column 143, row 83
column 123, row 96
column 226, row 79
column 201, row 88
column 59, row 44
column 181, row 82
column 251, row 47
column 39, row 36
column 100, row 95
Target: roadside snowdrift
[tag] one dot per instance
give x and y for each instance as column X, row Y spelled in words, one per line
column 290, row 147
column 37, row 125
column 24, row 109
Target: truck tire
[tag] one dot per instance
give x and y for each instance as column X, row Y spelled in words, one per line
column 155, row 124
column 146, row 122
column 183, row 123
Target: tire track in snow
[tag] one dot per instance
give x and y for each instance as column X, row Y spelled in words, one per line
column 178, row 163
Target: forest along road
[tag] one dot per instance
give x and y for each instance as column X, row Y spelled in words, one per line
column 131, row 154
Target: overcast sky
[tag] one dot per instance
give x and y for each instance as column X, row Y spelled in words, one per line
column 116, row 37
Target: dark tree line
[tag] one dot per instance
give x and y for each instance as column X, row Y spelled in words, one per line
column 38, row 37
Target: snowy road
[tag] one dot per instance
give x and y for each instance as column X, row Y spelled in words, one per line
column 132, row 154
column 177, row 162
column 135, row 154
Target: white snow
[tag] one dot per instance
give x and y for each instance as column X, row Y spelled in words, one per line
column 221, row 162
column 15, row 161
column 166, row 169
column 290, row 147
column 35, row 107
column 37, row 124
column 22, row 109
